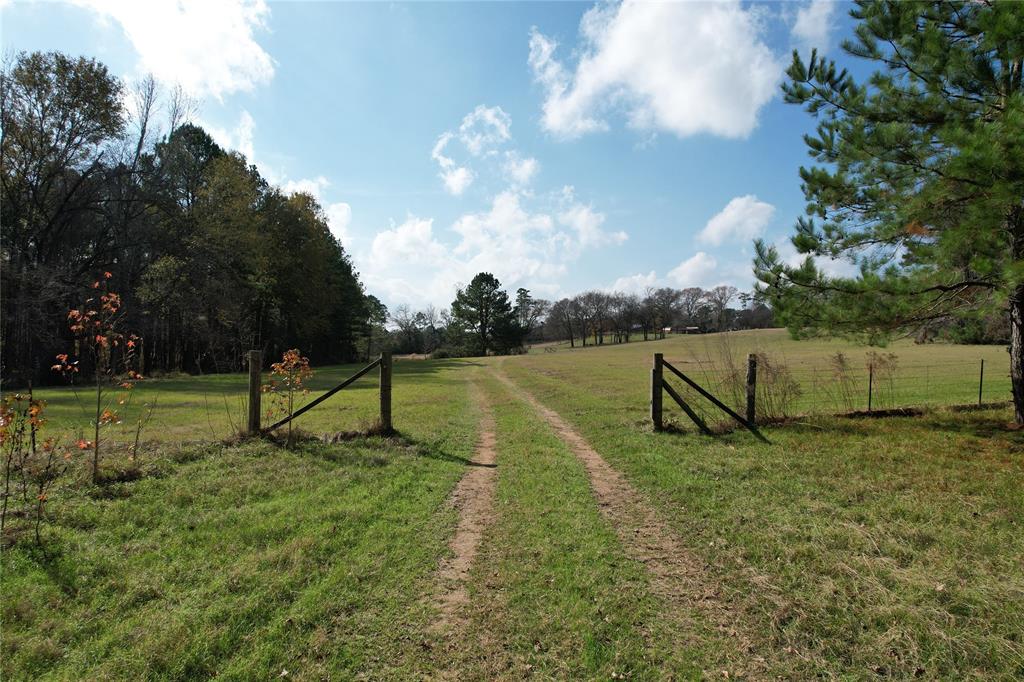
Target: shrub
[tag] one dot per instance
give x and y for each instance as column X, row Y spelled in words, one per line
column 95, row 327
column 292, row 374
column 30, row 468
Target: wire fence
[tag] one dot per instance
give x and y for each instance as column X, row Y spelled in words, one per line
column 783, row 390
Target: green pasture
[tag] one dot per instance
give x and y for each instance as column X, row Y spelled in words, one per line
column 847, row 547
column 922, row 374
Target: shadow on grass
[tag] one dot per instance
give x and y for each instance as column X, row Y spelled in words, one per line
column 395, row 442
column 328, row 377
column 985, row 422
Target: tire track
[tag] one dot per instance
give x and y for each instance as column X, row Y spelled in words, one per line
column 678, row 577
column 473, row 498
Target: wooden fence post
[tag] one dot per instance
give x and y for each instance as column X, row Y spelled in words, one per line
column 656, row 395
column 255, row 365
column 981, row 380
column 751, row 386
column 871, row 380
column 385, row 392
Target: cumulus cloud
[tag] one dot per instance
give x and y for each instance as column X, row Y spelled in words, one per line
column 210, row 48
column 586, row 223
column 456, row 178
column 239, row 138
column 520, row 170
column 743, row 218
column 338, row 214
column 634, row 284
column 813, row 25
column 478, row 140
column 521, row 245
column 485, row 128
column 699, row 270
column 339, row 217
column 311, row 186
column 831, row 267
column 680, row 67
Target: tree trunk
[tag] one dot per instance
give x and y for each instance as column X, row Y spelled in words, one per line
column 1017, row 352
column 1016, row 304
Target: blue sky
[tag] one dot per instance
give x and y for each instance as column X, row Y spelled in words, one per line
column 561, row 146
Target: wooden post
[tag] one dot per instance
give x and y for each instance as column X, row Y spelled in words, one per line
column 871, row 380
column 656, row 384
column 385, row 392
column 981, row 380
column 255, row 365
column 751, row 386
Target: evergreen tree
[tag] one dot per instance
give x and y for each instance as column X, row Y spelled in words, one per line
column 921, row 181
column 483, row 307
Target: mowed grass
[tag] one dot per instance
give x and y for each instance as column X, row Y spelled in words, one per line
column 249, row 561
column 857, row 547
column 923, row 375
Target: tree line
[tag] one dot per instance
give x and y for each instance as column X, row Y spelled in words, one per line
column 209, row 258
column 599, row 316
column 484, row 319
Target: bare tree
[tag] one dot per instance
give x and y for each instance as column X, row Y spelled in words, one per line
column 666, row 302
column 409, row 325
column 560, row 320
column 582, row 316
column 648, row 313
column 719, row 299
column 625, row 311
column 690, row 301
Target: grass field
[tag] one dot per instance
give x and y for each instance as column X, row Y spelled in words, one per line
column 921, row 374
column 193, row 409
column 847, row 547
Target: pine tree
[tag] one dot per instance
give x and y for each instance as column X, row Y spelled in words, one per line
column 484, row 308
column 921, row 178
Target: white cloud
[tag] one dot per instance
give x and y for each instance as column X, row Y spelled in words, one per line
column 634, row 284
column 699, row 270
column 239, row 138
column 338, row 214
column 456, row 178
column 477, row 141
column 406, row 264
column 485, row 128
column 208, row 47
column 520, row 245
column 831, row 267
column 519, row 170
column 311, row 186
column 339, row 217
column 743, row 218
column 682, row 67
column 411, row 242
column 587, row 224
column 813, row 25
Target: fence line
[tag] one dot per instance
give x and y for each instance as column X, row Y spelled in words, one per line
column 783, row 392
